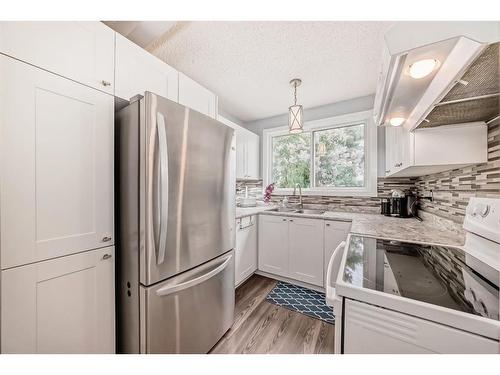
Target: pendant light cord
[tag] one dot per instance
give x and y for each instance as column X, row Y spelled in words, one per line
column 295, row 92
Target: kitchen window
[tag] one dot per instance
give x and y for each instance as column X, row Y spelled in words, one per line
column 334, row 156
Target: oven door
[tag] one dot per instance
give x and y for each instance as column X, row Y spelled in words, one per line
column 189, row 313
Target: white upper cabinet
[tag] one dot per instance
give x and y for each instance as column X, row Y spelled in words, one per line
column 81, row 51
column 63, row 305
column 56, row 157
column 247, row 151
column 197, row 97
column 431, row 150
column 138, row 71
column 247, row 148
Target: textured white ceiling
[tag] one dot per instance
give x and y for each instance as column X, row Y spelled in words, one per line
column 249, row 64
column 142, row 33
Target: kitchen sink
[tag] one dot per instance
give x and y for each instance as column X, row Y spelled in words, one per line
column 284, row 209
column 310, row 212
column 298, row 211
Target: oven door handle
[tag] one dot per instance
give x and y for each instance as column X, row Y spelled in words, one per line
column 332, row 273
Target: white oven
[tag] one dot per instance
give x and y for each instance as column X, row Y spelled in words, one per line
column 402, row 297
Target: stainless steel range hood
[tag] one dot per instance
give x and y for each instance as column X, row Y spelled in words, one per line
column 464, row 51
column 474, row 97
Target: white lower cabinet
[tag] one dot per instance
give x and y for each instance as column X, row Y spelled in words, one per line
column 306, row 250
column 370, row 329
column 292, row 247
column 56, row 158
column 246, row 248
column 273, row 244
column 335, row 233
column 64, row 305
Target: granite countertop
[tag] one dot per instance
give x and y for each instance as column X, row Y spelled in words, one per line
column 432, row 230
column 249, row 211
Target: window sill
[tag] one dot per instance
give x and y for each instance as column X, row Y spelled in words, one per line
column 367, row 193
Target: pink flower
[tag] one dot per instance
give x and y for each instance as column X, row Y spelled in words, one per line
column 268, row 192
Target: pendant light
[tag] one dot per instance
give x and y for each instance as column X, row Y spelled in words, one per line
column 295, row 121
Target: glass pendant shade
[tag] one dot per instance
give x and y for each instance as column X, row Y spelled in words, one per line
column 295, row 120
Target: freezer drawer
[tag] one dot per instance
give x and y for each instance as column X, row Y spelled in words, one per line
column 189, row 313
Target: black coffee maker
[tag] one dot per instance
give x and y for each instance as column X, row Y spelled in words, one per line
column 399, row 205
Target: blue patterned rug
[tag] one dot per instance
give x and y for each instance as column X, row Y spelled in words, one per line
column 305, row 301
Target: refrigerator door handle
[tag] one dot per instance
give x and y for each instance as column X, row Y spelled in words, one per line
column 163, row 156
column 170, row 289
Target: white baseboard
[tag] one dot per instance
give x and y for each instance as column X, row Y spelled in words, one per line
column 291, row 281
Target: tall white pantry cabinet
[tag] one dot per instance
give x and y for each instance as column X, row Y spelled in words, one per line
column 56, row 187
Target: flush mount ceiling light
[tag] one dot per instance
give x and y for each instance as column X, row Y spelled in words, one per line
column 396, row 121
column 422, row 68
column 295, row 120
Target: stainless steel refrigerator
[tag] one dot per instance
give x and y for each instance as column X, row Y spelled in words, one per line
column 175, row 187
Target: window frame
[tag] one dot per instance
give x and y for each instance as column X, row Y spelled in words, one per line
column 370, row 147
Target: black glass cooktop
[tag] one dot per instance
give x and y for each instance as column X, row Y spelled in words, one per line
column 443, row 276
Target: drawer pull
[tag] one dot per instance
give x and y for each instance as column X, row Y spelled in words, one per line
column 106, row 256
column 105, row 83
column 106, row 239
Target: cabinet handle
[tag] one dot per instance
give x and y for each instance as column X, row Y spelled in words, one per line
column 106, row 256
column 106, row 239
column 291, row 219
column 283, row 219
column 398, row 165
column 387, row 171
column 327, row 224
column 105, row 83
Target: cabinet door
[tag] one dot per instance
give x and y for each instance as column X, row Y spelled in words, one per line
column 306, row 250
column 65, row 305
column 138, row 71
column 197, row 97
column 390, row 149
column 335, row 233
column 56, row 157
column 252, row 155
column 273, row 244
column 81, row 51
column 241, row 146
column 246, row 248
column 375, row 330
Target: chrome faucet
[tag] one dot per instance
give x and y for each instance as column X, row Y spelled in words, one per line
column 300, row 194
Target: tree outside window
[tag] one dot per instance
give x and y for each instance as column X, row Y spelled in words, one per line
column 292, row 160
column 337, row 159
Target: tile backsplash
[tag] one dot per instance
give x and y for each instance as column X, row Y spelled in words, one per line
column 451, row 189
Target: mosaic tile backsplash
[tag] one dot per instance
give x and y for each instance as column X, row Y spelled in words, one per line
column 451, row 189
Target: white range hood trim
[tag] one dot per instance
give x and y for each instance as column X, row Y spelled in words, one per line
column 405, row 36
column 456, row 64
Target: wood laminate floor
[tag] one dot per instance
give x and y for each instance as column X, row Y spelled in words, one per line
column 261, row 327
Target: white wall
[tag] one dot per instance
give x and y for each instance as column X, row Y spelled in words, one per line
column 364, row 103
